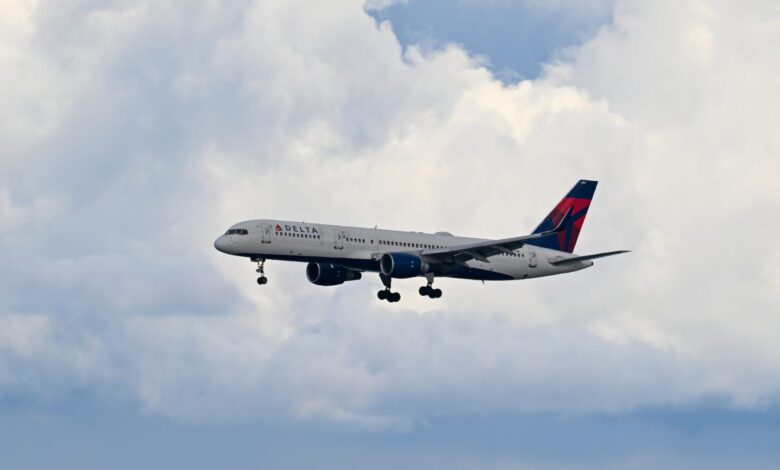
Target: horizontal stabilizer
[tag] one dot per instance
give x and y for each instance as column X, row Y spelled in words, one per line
column 586, row 257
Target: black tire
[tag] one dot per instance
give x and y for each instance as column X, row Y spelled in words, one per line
column 395, row 297
column 425, row 290
column 382, row 294
column 262, row 280
column 436, row 293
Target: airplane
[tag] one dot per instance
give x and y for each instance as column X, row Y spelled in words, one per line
column 338, row 254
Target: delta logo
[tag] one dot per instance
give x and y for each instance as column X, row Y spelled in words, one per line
column 296, row 229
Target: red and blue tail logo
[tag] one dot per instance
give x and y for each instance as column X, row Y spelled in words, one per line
column 578, row 201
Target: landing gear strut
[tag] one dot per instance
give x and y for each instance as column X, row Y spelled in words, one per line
column 386, row 294
column 429, row 290
column 261, row 270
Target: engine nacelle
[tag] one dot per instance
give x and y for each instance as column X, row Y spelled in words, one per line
column 402, row 265
column 328, row 274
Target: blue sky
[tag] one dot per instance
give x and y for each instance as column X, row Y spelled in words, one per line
column 85, row 436
column 134, row 133
column 515, row 38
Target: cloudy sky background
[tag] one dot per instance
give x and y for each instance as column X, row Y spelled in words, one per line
column 133, row 133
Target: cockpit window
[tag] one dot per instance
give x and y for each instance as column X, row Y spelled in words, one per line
column 237, row 231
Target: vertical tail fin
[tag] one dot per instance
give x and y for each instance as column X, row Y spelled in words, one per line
column 578, row 201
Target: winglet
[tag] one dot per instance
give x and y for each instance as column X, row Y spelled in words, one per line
column 563, row 223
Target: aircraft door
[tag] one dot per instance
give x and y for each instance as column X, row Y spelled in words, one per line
column 339, row 241
column 531, row 258
column 265, row 230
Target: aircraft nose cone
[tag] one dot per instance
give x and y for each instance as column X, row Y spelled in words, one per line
column 221, row 244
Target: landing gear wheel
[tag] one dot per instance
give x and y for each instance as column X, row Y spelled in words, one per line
column 389, row 296
column 262, row 280
column 430, row 292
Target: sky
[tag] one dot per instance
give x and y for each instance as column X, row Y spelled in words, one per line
column 134, row 133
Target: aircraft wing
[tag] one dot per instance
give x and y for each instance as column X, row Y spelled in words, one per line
column 483, row 250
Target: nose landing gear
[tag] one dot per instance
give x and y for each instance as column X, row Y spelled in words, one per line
column 262, row 280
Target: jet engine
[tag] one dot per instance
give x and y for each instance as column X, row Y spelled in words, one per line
column 402, row 265
column 328, row 274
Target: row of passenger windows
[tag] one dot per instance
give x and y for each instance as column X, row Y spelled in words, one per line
column 356, row 240
column 298, row 235
column 408, row 244
column 237, row 231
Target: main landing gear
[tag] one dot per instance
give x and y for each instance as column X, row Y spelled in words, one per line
column 429, row 290
column 386, row 294
column 389, row 296
column 262, row 280
column 392, row 297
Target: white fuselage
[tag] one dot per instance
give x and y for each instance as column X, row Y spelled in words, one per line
column 361, row 248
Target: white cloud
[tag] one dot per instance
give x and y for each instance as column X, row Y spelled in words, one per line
column 382, row 4
column 166, row 123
